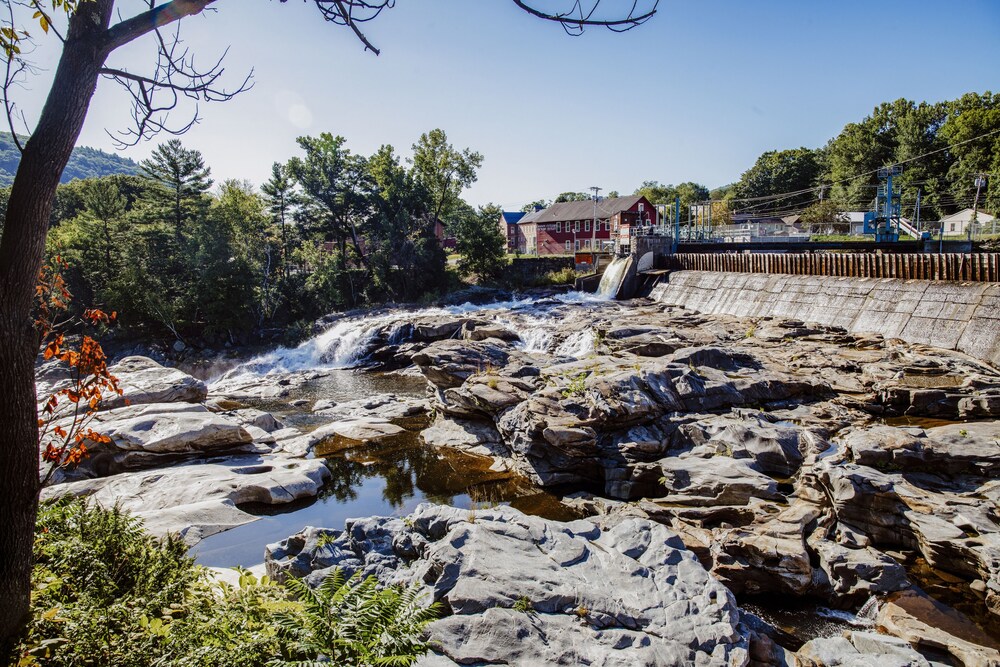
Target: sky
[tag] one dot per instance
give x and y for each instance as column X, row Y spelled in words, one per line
column 696, row 93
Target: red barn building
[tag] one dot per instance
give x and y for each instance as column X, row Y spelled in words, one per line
column 567, row 227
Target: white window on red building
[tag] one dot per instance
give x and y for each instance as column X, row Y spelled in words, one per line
column 569, row 247
column 578, row 244
column 558, row 226
column 576, row 226
column 607, row 225
column 586, row 226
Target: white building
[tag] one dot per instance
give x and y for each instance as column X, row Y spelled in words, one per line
column 958, row 224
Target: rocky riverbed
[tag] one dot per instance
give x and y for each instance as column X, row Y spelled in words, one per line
column 687, row 469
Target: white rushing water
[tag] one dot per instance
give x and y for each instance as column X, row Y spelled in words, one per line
column 612, row 278
column 345, row 343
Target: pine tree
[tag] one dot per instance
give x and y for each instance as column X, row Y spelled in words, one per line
column 183, row 181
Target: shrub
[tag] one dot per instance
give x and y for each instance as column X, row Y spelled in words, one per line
column 354, row 622
column 105, row 592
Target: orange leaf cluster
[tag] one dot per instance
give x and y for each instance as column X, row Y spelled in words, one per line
column 64, row 444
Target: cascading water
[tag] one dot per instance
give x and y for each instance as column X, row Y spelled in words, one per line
column 347, row 342
column 612, row 278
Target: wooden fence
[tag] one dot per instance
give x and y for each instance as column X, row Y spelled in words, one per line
column 974, row 267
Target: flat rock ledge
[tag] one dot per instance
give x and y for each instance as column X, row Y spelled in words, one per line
column 522, row 590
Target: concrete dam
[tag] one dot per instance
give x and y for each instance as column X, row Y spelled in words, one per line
column 962, row 316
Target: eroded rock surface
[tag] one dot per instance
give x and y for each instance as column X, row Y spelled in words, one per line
column 625, row 592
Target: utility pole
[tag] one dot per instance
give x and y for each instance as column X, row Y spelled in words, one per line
column 593, row 237
column 980, row 182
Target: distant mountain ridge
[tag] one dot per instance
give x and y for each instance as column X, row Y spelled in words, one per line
column 83, row 163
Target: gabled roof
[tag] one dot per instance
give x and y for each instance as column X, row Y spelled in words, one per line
column 965, row 215
column 584, row 210
column 512, row 217
column 531, row 217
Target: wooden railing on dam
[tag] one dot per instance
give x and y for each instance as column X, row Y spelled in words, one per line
column 973, row 267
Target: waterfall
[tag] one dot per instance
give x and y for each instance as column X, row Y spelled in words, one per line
column 577, row 345
column 348, row 341
column 612, row 278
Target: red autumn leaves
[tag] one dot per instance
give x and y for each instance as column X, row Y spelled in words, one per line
column 63, row 433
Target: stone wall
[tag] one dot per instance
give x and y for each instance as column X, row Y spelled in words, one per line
column 952, row 315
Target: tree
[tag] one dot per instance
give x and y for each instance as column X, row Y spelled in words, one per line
column 973, row 115
column 481, row 244
column 778, row 173
column 181, row 182
column 571, row 196
column 689, row 192
column 826, row 217
column 89, row 40
column 536, row 205
column 281, row 198
column 443, row 170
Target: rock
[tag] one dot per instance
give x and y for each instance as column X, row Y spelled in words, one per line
column 716, row 481
column 954, row 449
column 855, row 573
column 449, row 363
column 859, row 649
column 254, row 417
column 179, row 346
column 598, row 594
column 196, row 500
column 145, row 381
column 147, row 435
column 474, row 437
column 772, row 449
column 927, row 624
column 405, row 411
column 341, row 435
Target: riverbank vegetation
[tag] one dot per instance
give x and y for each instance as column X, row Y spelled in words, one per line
column 178, row 255
column 106, row 592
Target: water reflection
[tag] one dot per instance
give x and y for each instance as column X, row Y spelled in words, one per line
column 388, row 479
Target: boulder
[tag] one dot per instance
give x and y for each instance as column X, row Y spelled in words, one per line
column 142, row 380
column 153, row 434
column 341, row 435
column 953, row 449
column 716, row 481
column 196, row 500
column 526, row 591
column 449, row 363
column 473, row 437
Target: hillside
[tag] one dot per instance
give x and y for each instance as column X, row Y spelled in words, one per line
column 84, row 163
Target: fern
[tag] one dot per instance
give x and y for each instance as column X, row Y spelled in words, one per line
column 354, row 622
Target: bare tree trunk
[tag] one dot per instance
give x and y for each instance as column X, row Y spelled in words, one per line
column 21, row 251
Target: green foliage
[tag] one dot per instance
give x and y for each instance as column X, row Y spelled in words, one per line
column 780, row 172
column 444, row 170
column 523, row 605
column 105, row 592
column 657, row 193
column 354, row 622
column 825, row 216
column 180, row 183
column 83, row 163
column 536, row 205
column 481, row 244
column 576, row 386
column 96, row 576
column 571, row 196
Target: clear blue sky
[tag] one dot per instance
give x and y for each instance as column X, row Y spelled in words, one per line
column 695, row 94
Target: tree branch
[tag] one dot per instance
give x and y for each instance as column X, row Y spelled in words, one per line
column 154, row 19
column 576, row 19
